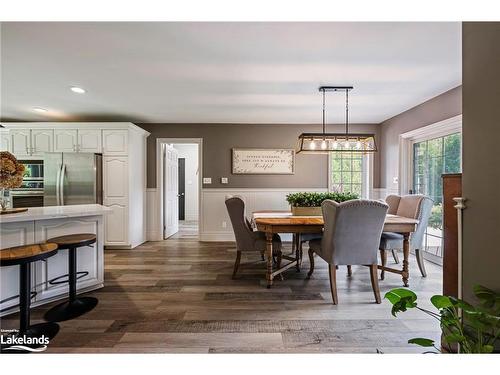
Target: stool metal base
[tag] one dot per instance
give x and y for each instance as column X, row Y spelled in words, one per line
column 71, row 309
column 48, row 330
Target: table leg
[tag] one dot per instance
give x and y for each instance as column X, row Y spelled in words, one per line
column 406, row 255
column 298, row 255
column 269, row 254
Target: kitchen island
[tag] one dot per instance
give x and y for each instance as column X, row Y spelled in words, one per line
column 39, row 224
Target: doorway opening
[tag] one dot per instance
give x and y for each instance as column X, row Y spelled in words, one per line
column 179, row 172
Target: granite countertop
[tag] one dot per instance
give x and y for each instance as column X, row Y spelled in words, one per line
column 55, row 212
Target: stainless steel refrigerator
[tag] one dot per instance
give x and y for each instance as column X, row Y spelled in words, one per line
column 72, row 178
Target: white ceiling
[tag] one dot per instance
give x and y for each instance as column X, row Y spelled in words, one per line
column 223, row 72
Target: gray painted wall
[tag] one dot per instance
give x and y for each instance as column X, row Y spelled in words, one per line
column 219, row 139
column 441, row 107
column 481, row 157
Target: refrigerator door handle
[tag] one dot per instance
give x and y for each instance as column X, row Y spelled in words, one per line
column 58, row 177
column 61, row 183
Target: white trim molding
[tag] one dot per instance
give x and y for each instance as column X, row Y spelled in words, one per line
column 406, row 140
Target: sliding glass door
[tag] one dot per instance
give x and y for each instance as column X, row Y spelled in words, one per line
column 432, row 158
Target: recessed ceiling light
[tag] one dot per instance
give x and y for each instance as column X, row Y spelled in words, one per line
column 77, row 89
column 41, row 110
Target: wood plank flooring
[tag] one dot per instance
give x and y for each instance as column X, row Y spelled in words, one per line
column 177, row 296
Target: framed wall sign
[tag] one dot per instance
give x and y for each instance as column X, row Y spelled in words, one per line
column 263, row 161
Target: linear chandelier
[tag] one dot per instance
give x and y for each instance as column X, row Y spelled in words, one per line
column 323, row 143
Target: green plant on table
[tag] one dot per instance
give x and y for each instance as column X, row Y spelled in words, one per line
column 476, row 330
column 306, row 199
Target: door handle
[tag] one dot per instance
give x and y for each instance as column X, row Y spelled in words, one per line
column 61, row 184
column 58, row 178
column 180, row 195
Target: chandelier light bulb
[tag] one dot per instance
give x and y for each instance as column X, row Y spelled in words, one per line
column 323, row 145
column 347, row 145
column 358, row 145
column 312, row 145
column 335, row 144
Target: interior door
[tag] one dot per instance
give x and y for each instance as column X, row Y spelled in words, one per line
column 171, row 191
column 182, row 188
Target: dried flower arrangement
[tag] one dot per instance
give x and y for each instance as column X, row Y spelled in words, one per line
column 11, row 174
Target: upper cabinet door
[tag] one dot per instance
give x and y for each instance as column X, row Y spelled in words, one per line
column 65, row 140
column 5, row 141
column 89, row 141
column 42, row 140
column 20, row 142
column 115, row 142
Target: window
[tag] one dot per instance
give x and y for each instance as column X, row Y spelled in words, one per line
column 347, row 172
column 432, row 158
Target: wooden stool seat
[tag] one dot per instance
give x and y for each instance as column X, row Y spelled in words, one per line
column 74, row 240
column 27, row 253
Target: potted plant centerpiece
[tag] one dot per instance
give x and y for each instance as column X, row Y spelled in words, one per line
column 309, row 204
column 11, row 176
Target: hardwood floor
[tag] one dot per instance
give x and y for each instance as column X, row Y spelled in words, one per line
column 177, row 296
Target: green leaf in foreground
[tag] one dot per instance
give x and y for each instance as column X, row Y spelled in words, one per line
column 401, row 299
column 421, row 342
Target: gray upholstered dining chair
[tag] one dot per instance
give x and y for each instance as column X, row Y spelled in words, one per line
column 413, row 206
column 351, row 236
column 246, row 238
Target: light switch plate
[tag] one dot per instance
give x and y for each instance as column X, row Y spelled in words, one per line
column 395, row 180
column 223, row 180
column 207, row 180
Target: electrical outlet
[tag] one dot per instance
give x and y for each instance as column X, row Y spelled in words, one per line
column 224, row 224
column 223, row 180
column 207, row 180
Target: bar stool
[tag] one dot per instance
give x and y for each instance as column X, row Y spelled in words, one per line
column 74, row 307
column 23, row 256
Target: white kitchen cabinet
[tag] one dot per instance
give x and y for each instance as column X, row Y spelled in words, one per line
column 115, row 178
column 115, row 182
column 89, row 140
column 42, row 141
column 89, row 258
column 5, row 141
column 20, row 140
column 31, row 142
column 14, row 234
column 115, row 142
column 65, row 140
column 117, row 225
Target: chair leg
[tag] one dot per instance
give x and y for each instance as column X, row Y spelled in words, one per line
column 333, row 283
column 395, row 255
column 374, row 280
column 420, row 261
column 311, row 263
column 383, row 258
column 262, row 255
column 236, row 263
column 349, row 270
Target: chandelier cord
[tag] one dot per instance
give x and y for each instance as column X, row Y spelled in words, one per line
column 324, row 126
column 346, row 112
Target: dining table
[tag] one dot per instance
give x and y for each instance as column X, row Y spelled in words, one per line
column 275, row 222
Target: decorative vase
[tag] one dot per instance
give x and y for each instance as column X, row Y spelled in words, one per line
column 306, row 211
column 4, row 201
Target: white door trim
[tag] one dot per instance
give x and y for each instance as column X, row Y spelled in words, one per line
column 159, row 178
column 406, row 140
